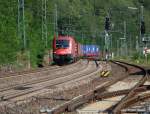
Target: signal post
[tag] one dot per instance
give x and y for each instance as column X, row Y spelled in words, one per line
column 107, row 37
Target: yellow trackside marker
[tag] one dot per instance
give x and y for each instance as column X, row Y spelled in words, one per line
column 102, row 73
column 106, row 73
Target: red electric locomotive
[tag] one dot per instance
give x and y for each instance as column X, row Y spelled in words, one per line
column 65, row 49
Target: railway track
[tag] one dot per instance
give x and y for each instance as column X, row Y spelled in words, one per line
column 122, row 104
column 99, row 93
column 136, row 88
column 14, row 81
column 38, row 70
column 12, row 94
column 14, row 74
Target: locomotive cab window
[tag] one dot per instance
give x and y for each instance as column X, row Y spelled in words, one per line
column 62, row 43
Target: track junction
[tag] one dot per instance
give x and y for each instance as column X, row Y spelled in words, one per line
column 73, row 87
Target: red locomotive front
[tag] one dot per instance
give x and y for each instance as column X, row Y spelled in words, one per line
column 64, row 49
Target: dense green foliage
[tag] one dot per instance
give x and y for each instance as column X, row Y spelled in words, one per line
column 82, row 18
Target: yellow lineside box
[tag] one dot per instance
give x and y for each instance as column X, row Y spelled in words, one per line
column 104, row 73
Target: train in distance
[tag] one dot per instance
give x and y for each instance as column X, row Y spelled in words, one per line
column 67, row 50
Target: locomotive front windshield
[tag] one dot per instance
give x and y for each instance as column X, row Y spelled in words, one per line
column 62, row 43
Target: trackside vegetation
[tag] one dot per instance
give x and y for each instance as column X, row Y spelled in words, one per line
column 83, row 19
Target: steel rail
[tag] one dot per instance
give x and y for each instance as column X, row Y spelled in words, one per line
column 106, row 95
column 119, row 106
column 39, row 70
column 136, row 99
column 60, row 81
column 40, row 79
column 47, row 78
column 96, row 93
column 85, row 98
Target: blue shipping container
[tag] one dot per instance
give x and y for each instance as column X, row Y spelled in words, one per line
column 90, row 50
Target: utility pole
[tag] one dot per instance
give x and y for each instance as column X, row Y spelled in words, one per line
column 142, row 31
column 22, row 29
column 55, row 21
column 19, row 14
column 141, row 26
column 137, row 44
column 141, row 19
column 44, row 21
column 118, row 48
column 125, row 29
column 107, row 37
column 125, row 40
column 111, row 44
column 82, row 37
column 21, row 23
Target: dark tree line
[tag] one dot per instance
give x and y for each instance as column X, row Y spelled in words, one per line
column 81, row 18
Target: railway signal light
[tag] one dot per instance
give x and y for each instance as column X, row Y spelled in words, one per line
column 142, row 27
column 107, row 23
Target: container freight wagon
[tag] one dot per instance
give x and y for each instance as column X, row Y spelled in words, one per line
column 91, row 51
